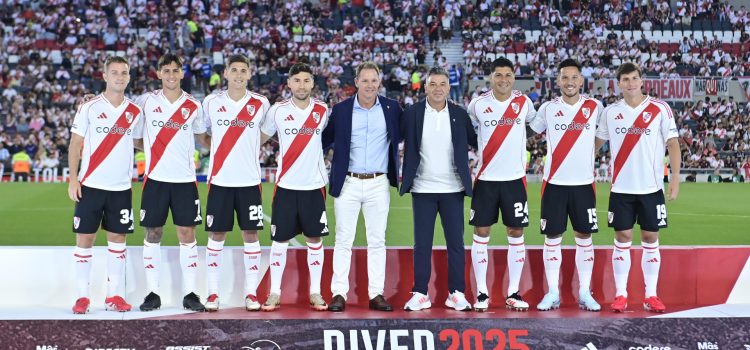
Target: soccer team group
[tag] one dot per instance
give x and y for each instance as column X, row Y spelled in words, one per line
column 364, row 132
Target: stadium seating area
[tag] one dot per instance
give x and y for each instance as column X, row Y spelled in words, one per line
column 53, row 51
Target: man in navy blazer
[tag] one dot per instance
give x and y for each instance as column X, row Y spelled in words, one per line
column 437, row 134
column 364, row 132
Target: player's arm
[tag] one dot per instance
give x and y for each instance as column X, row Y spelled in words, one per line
column 675, row 159
column 138, row 144
column 602, row 133
column 598, row 143
column 329, row 133
column 268, row 125
column 74, row 158
column 537, row 123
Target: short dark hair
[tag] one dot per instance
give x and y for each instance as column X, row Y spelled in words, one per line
column 627, row 68
column 300, row 68
column 115, row 59
column 167, row 59
column 569, row 62
column 438, row 71
column 238, row 58
column 501, row 62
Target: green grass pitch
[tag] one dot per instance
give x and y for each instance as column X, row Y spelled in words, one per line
column 704, row 214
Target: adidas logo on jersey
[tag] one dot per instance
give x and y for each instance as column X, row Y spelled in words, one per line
column 619, row 117
column 559, row 114
column 488, row 110
column 260, row 224
column 525, row 220
column 102, row 116
column 289, row 118
column 222, row 109
column 662, row 222
column 595, row 227
column 157, row 110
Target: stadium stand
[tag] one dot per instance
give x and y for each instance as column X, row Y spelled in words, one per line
column 53, row 52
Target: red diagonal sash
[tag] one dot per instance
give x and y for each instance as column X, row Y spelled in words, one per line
column 233, row 134
column 631, row 139
column 501, row 132
column 301, row 140
column 166, row 134
column 569, row 137
column 111, row 140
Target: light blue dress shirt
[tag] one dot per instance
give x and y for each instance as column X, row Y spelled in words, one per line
column 369, row 146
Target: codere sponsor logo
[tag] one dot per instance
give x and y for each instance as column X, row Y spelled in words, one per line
column 502, row 121
column 650, row 347
column 235, row 122
column 169, row 124
column 573, row 126
column 113, row 130
column 302, row 131
column 633, row 131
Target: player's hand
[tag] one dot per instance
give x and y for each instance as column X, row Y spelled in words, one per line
column 674, row 188
column 74, row 190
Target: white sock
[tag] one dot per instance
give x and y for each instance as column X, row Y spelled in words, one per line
column 479, row 261
column 189, row 266
column 621, row 267
column 315, row 259
column 516, row 258
column 650, row 263
column 278, row 263
column 152, row 263
column 82, row 258
column 584, row 263
column 213, row 264
column 251, row 259
column 116, row 256
column 552, row 260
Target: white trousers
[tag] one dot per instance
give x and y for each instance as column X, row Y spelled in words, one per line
column 373, row 197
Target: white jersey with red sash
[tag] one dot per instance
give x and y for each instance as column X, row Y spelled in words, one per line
column 107, row 131
column 168, row 135
column 637, row 139
column 571, row 130
column 502, row 135
column 301, row 165
column 235, row 137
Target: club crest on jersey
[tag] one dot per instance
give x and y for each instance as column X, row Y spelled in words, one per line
column 76, row 222
column 316, row 117
column 543, row 224
column 610, row 217
column 646, row 117
column 251, row 110
column 209, row 220
column 129, row 117
column 515, row 107
column 586, row 112
column 143, row 214
column 185, row 112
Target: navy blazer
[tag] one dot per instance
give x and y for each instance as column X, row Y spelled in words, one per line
column 462, row 135
column 338, row 134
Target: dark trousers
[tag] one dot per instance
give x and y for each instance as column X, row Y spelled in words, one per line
column 425, row 207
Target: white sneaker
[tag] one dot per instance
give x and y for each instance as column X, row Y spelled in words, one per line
column 457, row 301
column 587, row 302
column 418, row 302
column 550, row 301
column 483, row 303
column 212, row 303
column 252, row 303
column 516, row 302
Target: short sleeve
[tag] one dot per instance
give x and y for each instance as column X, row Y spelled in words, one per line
column 601, row 125
column 668, row 126
column 268, row 125
column 199, row 123
column 81, row 120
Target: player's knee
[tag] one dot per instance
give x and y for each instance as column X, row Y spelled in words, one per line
column 515, row 232
column 649, row 236
column 582, row 235
column 557, row 236
column 624, row 236
column 217, row 236
column 249, row 236
column 153, row 234
column 482, row 231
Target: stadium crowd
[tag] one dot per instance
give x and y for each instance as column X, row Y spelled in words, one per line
column 53, row 53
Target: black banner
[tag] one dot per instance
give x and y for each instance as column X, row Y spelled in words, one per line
column 395, row 334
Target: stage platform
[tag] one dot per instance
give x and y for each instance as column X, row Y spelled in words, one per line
column 706, row 290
